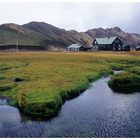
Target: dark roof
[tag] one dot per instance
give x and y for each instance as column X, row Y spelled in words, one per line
column 137, row 47
column 125, row 45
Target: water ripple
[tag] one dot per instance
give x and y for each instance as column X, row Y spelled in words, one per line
column 98, row 112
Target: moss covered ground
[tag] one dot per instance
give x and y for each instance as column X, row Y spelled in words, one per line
column 39, row 82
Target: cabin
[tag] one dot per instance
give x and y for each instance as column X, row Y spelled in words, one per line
column 138, row 48
column 108, row 44
column 76, row 47
column 126, row 48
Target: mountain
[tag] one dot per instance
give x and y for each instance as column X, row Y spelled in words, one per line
column 127, row 38
column 60, row 38
column 12, row 33
column 53, row 38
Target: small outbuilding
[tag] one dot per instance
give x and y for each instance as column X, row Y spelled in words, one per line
column 126, row 48
column 76, row 47
column 138, row 48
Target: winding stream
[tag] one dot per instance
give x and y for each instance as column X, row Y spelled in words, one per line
column 97, row 112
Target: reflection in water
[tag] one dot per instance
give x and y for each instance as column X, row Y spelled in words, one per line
column 98, row 112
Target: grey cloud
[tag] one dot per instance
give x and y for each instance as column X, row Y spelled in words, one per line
column 75, row 16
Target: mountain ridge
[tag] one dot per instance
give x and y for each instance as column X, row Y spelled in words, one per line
column 50, row 37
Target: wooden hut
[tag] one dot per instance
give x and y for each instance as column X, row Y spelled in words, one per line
column 108, row 43
column 76, row 47
column 138, row 48
column 126, row 48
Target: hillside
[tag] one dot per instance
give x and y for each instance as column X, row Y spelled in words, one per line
column 127, row 38
column 53, row 38
column 12, row 33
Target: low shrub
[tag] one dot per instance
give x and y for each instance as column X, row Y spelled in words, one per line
column 7, row 86
column 1, row 77
column 19, row 79
column 128, row 81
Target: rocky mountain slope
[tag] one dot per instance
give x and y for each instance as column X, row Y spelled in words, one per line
column 51, row 37
column 127, row 38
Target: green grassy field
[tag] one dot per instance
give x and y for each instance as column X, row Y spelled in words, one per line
column 39, row 82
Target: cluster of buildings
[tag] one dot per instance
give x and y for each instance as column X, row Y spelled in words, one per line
column 106, row 44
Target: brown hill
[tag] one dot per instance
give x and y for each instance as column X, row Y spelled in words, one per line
column 51, row 37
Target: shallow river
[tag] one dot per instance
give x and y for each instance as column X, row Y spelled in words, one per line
column 97, row 112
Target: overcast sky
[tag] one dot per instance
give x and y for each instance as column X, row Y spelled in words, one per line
column 74, row 16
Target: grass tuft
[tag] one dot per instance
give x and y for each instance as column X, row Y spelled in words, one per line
column 128, row 81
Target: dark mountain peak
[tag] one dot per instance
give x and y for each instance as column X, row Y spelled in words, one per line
column 72, row 31
column 100, row 28
column 117, row 28
column 36, row 23
column 39, row 25
column 12, row 26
